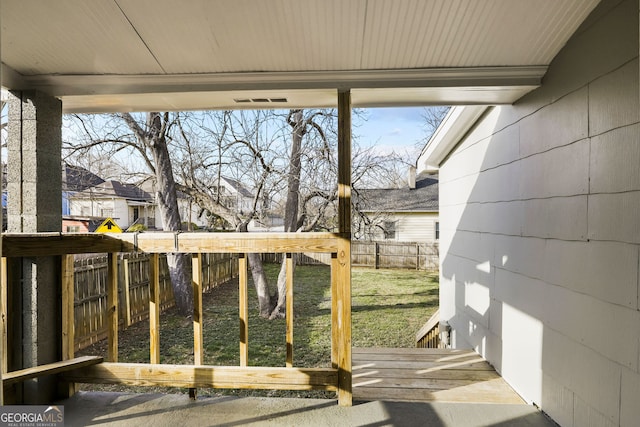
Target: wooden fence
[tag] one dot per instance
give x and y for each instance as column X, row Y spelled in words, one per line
column 384, row 254
column 389, row 254
column 90, row 303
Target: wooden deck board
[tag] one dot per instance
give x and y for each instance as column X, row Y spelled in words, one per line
column 475, row 365
column 427, row 375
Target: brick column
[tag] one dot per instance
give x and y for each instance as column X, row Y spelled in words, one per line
column 35, row 205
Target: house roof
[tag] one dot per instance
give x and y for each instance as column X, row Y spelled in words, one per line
column 116, row 189
column 238, row 187
column 157, row 55
column 76, row 178
column 423, row 198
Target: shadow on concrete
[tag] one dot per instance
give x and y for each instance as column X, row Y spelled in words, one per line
column 123, row 409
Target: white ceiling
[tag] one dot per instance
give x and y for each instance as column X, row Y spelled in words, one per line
column 107, row 55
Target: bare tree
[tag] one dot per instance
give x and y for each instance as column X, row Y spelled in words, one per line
column 284, row 157
column 220, row 142
column 148, row 135
column 432, row 117
column 254, row 141
column 314, row 127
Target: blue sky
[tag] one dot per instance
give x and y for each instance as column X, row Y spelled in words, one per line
column 391, row 128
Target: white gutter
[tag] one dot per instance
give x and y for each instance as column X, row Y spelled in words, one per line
column 453, row 128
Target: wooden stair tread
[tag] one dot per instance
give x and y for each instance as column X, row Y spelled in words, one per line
column 428, row 375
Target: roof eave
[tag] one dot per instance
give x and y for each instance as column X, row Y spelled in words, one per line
column 453, row 128
column 400, row 211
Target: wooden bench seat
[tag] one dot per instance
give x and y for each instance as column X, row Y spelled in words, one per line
column 9, row 378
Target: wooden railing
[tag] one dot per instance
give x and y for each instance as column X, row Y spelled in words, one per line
column 90, row 276
column 337, row 378
column 429, row 335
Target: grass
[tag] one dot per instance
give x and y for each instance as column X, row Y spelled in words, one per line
column 388, row 308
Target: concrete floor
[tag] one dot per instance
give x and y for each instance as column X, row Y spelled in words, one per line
column 124, row 409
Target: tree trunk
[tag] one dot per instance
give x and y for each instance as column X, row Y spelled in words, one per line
column 168, row 205
column 260, row 282
column 293, row 200
column 259, row 278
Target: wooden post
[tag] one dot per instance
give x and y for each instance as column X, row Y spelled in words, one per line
column 342, row 306
column 289, row 309
column 344, row 161
column 4, row 282
column 334, row 311
column 198, row 349
column 67, row 316
column 343, row 301
column 243, row 309
column 206, row 272
column 112, row 306
column 127, row 297
column 376, row 255
column 154, row 308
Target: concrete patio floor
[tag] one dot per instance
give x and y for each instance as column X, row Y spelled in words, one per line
column 126, row 409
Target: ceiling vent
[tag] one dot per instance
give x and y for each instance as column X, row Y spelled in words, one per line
column 259, row 100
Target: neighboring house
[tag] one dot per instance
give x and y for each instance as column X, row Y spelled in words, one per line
column 190, row 212
column 408, row 214
column 125, row 203
column 239, row 199
column 267, row 222
column 86, row 206
column 540, row 233
column 76, row 179
column 234, row 195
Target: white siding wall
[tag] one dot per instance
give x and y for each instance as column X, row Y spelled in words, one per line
column 188, row 211
column 416, row 227
column 118, row 207
column 540, row 231
column 121, row 212
column 80, row 207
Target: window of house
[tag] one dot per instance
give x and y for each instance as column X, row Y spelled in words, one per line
column 390, row 230
column 437, row 230
column 73, row 228
column 107, row 213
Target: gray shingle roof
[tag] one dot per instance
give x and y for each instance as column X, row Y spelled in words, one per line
column 76, row 178
column 239, row 187
column 116, row 189
column 423, row 198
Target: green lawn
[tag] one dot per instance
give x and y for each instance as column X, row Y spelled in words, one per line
column 389, row 306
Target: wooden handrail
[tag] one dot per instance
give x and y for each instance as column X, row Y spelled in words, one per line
column 429, row 335
column 50, row 244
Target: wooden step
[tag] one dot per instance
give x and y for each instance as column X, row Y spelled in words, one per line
column 427, row 375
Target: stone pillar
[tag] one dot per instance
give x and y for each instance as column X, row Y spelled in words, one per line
column 34, row 184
